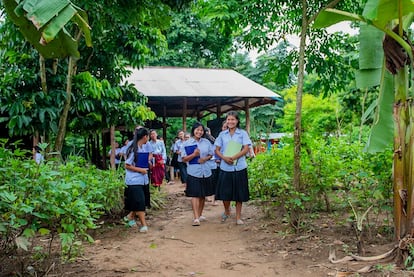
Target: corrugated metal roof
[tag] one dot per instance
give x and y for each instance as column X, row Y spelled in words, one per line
column 204, row 90
column 201, row 82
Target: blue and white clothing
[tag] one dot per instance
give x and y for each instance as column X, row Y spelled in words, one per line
column 198, row 170
column 212, row 162
column 133, row 178
column 178, row 147
column 39, row 158
column 159, row 148
column 124, row 149
column 117, row 154
column 223, row 139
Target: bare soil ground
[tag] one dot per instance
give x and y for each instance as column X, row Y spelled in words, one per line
column 261, row 247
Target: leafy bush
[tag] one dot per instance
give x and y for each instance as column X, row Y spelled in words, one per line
column 53, row 198
column 333, row 172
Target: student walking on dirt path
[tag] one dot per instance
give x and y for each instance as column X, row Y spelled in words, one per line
column 137, row 164
column 231, row 147
column 197, row 151
column 159, row 159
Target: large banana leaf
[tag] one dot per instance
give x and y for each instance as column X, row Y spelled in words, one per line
column 382, row 131
column 381, row 12
column 42, row 22
column 372, row 73
column 377, row 12
column 371, row 57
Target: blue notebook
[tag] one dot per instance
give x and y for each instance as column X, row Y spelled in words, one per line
column 141, row 159
column 190, row 150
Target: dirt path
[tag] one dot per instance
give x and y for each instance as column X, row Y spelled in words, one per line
column 173, row 247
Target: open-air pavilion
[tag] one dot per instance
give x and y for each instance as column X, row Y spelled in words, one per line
column 198, row 92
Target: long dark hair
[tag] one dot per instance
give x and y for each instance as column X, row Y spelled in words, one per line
column 139, row 134
column 208, row 135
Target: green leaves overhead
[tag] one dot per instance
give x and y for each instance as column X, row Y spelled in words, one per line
column 381, row 12
column 329, row 17
column 377, row 12
column 43, row 24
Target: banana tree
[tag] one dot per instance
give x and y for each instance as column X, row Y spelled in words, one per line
column 388, row 65
column 43, row 23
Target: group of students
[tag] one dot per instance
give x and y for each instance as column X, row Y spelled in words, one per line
column 211, row 167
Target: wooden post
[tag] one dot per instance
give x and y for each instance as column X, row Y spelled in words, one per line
column 164, row 124
column 185, row 114
column 247, row 111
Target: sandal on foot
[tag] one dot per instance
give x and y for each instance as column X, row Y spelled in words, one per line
column 131, row 223
column 202, row 218
column 239, row 222
column 196, row 222
column 224, row 217
column 143, row 229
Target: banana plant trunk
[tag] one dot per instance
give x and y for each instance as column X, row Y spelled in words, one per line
column 403, row 156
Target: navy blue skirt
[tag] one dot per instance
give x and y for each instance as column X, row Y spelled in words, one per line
column 199, row 187
column 233, row 186
column 135, row 198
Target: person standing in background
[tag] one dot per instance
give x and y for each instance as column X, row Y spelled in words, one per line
column 123, row 151
column 182, row 166
column 213, row 165
column 37, row 155
column 232, row 184
column 173, row 166
column 159, row 159
column 117, row 154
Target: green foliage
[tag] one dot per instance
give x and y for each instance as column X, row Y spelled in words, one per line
column 409, row 261
column 98, row 104
column 332, row 170
column 194, row 42
column 252, row 23
column 319, row 115
column 43, row 22
column 27, row 109
column 53, row 198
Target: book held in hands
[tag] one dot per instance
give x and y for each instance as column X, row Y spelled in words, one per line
column 233, row 147
column 190, row 150
column 141, row 159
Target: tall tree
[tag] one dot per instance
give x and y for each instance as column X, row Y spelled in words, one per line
column 262, row 23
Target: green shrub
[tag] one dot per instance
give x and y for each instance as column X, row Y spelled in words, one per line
column 333, row 171
column 53, row 198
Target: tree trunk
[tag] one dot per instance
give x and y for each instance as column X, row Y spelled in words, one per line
column 403, row 165
column 60, row 138
column 112, row 139
column 295, row 215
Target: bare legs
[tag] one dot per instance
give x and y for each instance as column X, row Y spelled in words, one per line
column 197, row 203
column 226, row 213
column 141, row 217
column 238, row 210
column 226, row 205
